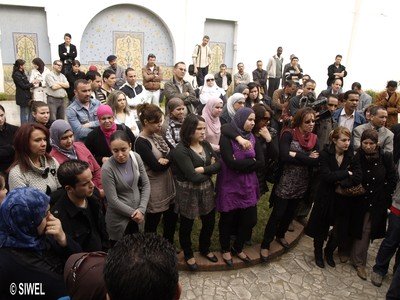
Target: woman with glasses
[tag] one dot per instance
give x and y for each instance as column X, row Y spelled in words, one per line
column 98, row 140
column 298, row 152
column 234, row 102
column 122, row 114
column 155, row 153
column 32, row 165
column 210, row 90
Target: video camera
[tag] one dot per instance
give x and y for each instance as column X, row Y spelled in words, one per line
column 311, row 101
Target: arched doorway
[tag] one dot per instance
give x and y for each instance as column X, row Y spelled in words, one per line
column 130, row 32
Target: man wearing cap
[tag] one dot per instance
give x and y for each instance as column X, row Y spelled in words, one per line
column 152, row 77
column 119, row 71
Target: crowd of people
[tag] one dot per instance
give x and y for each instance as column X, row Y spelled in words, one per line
column 85, row 179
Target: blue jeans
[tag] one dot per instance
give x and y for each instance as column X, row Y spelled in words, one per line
column 389, row 246
column 24, row 112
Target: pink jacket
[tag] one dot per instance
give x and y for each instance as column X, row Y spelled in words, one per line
column 84, row 154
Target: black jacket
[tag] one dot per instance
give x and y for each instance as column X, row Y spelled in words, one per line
column 69, row 56
column 97, row 144
column 218, row 79
column 379, row 181
column 27, row 266
column 72, row 77
column 330, row 174
column 91, row 236
column 6, row 146
column 23, row 88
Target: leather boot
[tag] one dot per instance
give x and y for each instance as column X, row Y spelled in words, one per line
column 319, row 260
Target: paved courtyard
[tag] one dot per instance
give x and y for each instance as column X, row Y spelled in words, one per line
column 294, row 275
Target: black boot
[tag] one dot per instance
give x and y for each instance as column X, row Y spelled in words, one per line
column 319, row 261
column 329, row 258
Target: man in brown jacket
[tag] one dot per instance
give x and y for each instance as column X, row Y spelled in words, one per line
column 390, row 100
column 152, row 77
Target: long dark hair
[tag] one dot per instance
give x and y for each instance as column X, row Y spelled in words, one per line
column 188, row 128
column 39, row 62
column 19, row 62
column 21, row 144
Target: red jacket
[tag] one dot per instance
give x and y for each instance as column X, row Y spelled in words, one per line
column 84, row 154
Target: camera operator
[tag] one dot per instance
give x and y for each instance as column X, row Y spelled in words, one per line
column 306, row 98
column 324, row 122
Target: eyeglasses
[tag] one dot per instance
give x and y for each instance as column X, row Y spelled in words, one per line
column 331, row 104
column 210, row 80
column 309, row 121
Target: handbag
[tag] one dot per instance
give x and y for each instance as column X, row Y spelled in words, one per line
column 356, row 190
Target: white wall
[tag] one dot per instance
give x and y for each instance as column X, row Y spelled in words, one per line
column 363, row 31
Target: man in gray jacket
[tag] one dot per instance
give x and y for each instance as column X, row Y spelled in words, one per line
column 177, row 87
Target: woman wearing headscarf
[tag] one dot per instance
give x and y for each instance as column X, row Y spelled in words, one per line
column 173, row 123
column 237, row 186
column 234, row 102
column 210, row 90
column 33, row 245
column 65, row 148
column 243, row 89
column 211, row 113
column 98, row 140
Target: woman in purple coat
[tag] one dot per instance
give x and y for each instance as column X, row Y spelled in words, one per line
column 237, row 186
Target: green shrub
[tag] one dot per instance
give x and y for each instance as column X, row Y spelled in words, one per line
column 3, row 96
column 373, row 94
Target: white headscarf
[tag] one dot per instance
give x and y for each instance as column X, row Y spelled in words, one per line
column 210, row 92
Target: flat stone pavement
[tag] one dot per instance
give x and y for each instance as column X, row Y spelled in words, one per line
column 293, row 275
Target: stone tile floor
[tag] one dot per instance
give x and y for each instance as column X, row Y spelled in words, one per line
column 294, row 275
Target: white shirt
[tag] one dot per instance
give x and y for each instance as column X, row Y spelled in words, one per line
column 347, row 121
